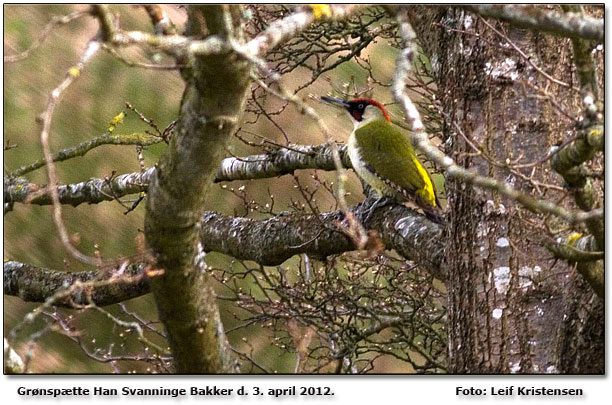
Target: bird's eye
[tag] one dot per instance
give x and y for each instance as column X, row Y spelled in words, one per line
column 360, row 106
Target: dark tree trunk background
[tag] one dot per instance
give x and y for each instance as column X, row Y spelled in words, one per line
column 512, row 308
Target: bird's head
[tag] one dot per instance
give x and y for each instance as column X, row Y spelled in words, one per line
column 361, row 110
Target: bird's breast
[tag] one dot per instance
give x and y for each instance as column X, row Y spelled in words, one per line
column 364, row 170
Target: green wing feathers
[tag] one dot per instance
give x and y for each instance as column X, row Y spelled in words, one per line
column 392, row 157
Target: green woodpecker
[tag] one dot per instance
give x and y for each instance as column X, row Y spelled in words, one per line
column 385, row 159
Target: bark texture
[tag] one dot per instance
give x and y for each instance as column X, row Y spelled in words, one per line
column 268, row 242
column 35, row 284
column 506, row 91
column 211, row 108
column 512, row 309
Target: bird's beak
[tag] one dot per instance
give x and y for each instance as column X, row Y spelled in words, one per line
column 337, row 101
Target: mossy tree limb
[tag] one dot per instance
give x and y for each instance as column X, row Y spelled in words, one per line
column 211, row 108
column 268, row 242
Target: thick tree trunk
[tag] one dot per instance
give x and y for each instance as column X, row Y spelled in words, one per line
column 211, row 109
column 511, row 307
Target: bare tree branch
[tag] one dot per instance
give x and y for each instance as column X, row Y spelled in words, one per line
column 421, row 141
column 274, row 240
column 281, row 161
column 568, row 162
column 161, row 22
column 276, row 162
column 534, row 17
column 268, row 242
column 479, row 293
column 211, row 109
column 289, row 27
column 56, row 21
column 92, row 48
column 106, row 287
column 182, row 47
column 582, row 250
column 142, row 139
column 91, row 191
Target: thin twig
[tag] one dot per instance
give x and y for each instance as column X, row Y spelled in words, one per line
column 527, row 58
column 420, row 140
column 355, row 229
column 55, row 22
column 81, row 149
column 91, row 50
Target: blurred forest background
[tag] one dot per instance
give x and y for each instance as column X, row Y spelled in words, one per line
column 85, row 112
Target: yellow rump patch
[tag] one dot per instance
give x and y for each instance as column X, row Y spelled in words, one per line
column 428, row 190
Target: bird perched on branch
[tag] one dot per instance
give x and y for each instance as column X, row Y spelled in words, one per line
column 384, row 158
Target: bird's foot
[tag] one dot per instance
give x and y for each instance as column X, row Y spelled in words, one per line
column 378, row 203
